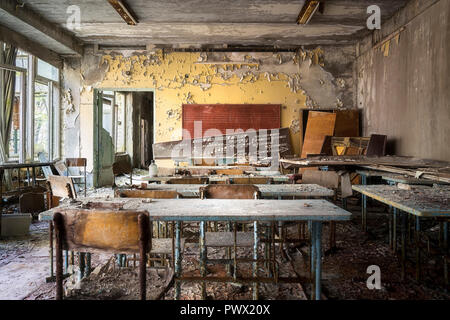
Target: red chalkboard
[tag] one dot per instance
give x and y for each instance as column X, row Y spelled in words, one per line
column 228, row 116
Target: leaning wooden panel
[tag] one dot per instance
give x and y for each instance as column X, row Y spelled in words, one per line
column 62, row 186
column 112, row 231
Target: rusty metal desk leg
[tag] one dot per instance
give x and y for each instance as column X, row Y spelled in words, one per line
column 88, row 264
column 33, row 170
column 317, row 240
column 51, row 278
column 66, row 261
column 58, row 221
column 390, row 228
column 417, row 240
column 203, row 255
column 81, row 264
column 28, row 177
column 255, row 258
column 445, row 247
column 403, row 253
column 364, row 212
column 177, row 260
column 312, row 257
column 394, row 230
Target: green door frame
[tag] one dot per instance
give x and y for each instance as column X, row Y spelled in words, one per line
column 98, row 110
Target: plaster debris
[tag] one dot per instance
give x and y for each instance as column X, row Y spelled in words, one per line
column 295, row 126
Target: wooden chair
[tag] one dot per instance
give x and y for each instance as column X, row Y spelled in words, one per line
column 102, row 231
column 162, row 242
column 147, row 193
column 77, row 162
column 122, row 165
column 251, row 180
column 58, row 187
column 229, row 239
column 192, row 180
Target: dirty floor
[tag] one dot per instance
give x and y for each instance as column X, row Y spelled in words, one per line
column 24, row 265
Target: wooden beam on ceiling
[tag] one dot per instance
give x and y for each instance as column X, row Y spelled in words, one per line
column 124, row 11
column 34, row 48
column 309, row 8
column 34, row 20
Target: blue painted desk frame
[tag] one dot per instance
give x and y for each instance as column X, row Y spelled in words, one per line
column 196, row 210
column 404, row 210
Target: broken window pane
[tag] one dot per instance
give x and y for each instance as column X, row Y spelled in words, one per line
column 14, row 137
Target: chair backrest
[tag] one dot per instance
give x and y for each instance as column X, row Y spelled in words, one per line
column 76, row 162
column 195, row 180
column 153, row 194
column 230, row 191
column 61, row 186
column 31, row 202
column 251, row 180
column 101, row 230
column 122, row 165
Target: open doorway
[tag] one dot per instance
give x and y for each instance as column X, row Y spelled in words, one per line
column 123, row 125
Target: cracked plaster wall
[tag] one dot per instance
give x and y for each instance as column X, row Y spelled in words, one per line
column 318, row 78
column 404, row 85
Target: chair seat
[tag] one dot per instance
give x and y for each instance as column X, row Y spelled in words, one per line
column 225, row 239
column 164, row 245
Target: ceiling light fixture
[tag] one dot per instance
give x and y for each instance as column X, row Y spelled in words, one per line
column 309, row 8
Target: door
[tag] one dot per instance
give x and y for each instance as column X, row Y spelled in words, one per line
column 103, row 140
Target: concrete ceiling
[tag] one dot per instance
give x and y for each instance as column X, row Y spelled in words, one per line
column 181, row 23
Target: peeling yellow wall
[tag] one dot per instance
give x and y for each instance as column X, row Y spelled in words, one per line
column 180, row 78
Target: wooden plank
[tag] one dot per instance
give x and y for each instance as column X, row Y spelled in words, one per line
column 347, row 123
column 223, row 117
column 377, row 146
column 407, row 162
column 320, row 125
column 223, row 210
column 101, row 230
column 229, row 171
column 434, row 176
column 62, row 186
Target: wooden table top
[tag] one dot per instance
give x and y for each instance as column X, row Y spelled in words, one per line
column 421, row 201
column 215, row 210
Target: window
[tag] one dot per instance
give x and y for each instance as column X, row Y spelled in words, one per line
column 35, row 115
column 15, row 133
column 46, row 70
column 41, row 119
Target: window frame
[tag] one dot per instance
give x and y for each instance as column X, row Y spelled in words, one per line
column 27, row 111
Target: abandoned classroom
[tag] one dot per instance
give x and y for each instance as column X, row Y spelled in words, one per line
column 233, row 150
